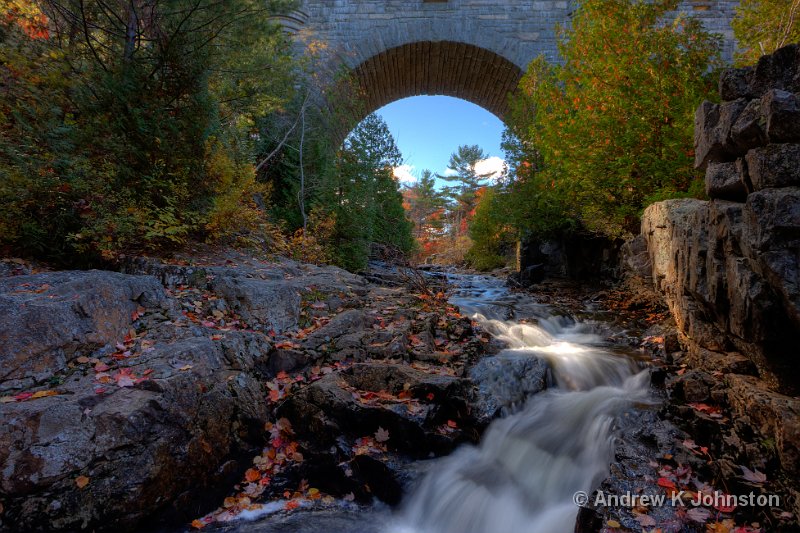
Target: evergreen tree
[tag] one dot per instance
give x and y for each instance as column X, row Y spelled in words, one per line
column 463, row 163
column 366, row 199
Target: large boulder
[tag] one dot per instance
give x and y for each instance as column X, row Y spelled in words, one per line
column 341, row 404
column 728, row 271
column 144, row 447
column 48, row 319
column 506, row 381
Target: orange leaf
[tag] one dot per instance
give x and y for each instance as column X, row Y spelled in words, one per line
column 81, row 481
column 664, row 482
column 252, row 475
column 452, row 424
column 293, row 504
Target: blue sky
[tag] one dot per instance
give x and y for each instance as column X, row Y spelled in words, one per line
column 428, row 129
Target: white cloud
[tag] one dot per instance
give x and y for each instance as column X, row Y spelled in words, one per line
column 449, row 172
column 494, row 165
column 405, row 174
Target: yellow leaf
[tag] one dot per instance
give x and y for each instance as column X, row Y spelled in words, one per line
column 613, row 523
column 44, row 393
column 81, row 481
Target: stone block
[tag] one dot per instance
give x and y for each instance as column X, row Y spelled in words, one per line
column 712, row 133
column 725, row 181
column 781, row 111
column 734, row 83
column 779, row 70
column 749, row 130
column 774, row 166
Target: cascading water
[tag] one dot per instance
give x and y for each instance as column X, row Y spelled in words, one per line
column 524, row 474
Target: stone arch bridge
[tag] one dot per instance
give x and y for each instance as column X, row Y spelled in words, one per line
column 476, row 50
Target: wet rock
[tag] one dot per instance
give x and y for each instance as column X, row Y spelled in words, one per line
column 725, row 181
column 529, row 276
column 505, row 382
column 48, row 319
column 327, row 409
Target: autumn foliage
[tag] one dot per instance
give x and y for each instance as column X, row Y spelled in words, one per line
column 596, row 139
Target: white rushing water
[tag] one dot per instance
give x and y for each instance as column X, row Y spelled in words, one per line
column 523, row 475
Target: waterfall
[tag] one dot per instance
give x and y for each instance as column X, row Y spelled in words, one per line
column 523, row 475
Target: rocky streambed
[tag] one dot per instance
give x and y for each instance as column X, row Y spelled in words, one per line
column 225, row 392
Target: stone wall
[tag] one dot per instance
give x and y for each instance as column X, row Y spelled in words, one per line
column 471, row 49
column 729, row 268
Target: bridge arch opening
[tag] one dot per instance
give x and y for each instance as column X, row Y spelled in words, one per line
column 448, row 68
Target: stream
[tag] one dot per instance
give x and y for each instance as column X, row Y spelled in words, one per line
column 524, row 474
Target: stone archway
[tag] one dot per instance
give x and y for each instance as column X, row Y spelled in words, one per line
column 448, row 68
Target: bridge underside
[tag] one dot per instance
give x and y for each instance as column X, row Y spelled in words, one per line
column 438, row 68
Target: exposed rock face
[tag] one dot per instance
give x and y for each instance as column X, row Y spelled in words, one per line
column 729, row 268
column 48, row 319
column 127, row 398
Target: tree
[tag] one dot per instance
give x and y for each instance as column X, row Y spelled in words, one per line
column 136, row 131
column 365, row 198
column 610, row 130
column 463, row 163
column 492, row 238
column 423, row 201
column 763, row 26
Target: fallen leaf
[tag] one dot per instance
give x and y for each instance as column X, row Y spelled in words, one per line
column 252, row 475
column 81, row 481
column 645, row 520
column 382, row 435
column 452, row 424
column 664, row 482
column 753, row 475
column 613, row 523
column 198, row 524
column 44, row 393
column 185, row 368
column 292, row 504
column 698, row 514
